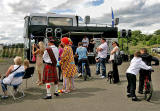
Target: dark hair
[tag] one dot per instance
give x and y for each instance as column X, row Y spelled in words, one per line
column 61, row 45
column 115, row 43
column 144, row 50
column 137, row 54
column 103, row 38
column 80, row 43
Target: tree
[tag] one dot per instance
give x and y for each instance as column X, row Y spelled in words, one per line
column 157, row 32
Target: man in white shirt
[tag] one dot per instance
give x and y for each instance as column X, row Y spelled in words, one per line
column 85, row 41
column 50, row 58
column 102, row 54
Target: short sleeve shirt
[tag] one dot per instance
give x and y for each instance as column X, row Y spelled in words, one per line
column 82, row 53
column 103, row 53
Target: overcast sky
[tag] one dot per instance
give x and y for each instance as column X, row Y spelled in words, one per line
column 141, row 15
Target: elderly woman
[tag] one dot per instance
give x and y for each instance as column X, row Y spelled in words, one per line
column 12, row 70
column 39, row 60
column 114, row 51
column 68, row 65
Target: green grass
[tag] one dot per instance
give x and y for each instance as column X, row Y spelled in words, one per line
column 140, row 45
column 2, row 60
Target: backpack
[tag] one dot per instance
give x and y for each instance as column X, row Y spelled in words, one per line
column 118, row 58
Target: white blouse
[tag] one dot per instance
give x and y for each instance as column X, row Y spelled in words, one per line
column 112, row 56
column 46, row 57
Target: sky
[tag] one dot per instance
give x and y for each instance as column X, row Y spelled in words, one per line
column 141, row 15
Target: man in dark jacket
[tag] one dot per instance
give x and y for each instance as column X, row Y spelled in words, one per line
column 147, row 59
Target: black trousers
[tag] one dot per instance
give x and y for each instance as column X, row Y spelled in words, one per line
column 142, row 76
column 115, row 72
column 131, row 84
column 59, row 73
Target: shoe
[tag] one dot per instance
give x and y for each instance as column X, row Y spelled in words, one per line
column 116, row 82
column 79, row 75
column 102, row 77
column 129, row 95
column 97, row 73
column 67, row 91
column 100, row 74
column 56, row 94
column 40, row 83
column 47, row 97
column 135, row 99
column 4, row 97
column 89, row 77
column 140, row 92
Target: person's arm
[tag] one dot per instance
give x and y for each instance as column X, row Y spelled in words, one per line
column 64, row 56
column 45, row 54
column 87, row 41
column 76, row 54
column 155, row 60
column 86, row 52
column 114, row 50
column 144, row 66
column 10, row 69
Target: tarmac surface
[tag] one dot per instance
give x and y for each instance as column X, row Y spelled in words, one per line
column 92, row 95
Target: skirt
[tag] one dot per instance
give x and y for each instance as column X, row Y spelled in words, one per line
column 49, row 74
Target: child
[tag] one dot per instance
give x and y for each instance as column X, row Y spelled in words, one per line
column 135, row 65
column 147, row 59
column 26, row 64
column 97, row 65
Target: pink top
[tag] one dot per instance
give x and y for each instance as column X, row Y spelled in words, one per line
column 60, row 52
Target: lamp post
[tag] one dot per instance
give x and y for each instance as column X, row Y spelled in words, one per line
column 129, row 33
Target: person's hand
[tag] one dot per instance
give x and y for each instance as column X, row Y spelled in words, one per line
column 109, row 60
column 33, row 45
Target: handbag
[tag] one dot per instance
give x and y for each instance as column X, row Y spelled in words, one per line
column 118, row 58
column 34, row 58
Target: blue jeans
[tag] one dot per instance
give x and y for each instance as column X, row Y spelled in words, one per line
column 102, row 64
column 97, row 68
column 86, row 65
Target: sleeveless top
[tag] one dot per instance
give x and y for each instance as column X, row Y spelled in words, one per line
column 10, row 79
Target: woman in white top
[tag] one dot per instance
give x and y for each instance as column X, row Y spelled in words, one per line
column 9, row 77
column 114, row 65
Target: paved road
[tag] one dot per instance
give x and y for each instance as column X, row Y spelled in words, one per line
column 93, row 95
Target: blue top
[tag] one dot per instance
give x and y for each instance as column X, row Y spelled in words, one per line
column 82, row 53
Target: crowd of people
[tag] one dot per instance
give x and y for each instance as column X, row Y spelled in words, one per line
column 63, row 58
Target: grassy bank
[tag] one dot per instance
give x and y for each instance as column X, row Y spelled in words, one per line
column 140, row 45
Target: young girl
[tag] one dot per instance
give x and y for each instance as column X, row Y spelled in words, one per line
column 26, row 63
column 135, row 65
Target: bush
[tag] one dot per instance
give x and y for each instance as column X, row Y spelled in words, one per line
column 134, row 42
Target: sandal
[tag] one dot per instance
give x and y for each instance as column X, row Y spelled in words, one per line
column 67, row 91
column 40, row 83
column 37, row 81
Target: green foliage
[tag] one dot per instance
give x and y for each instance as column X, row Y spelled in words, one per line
column 139, row 40
column 157, row 32
column 134, row 42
